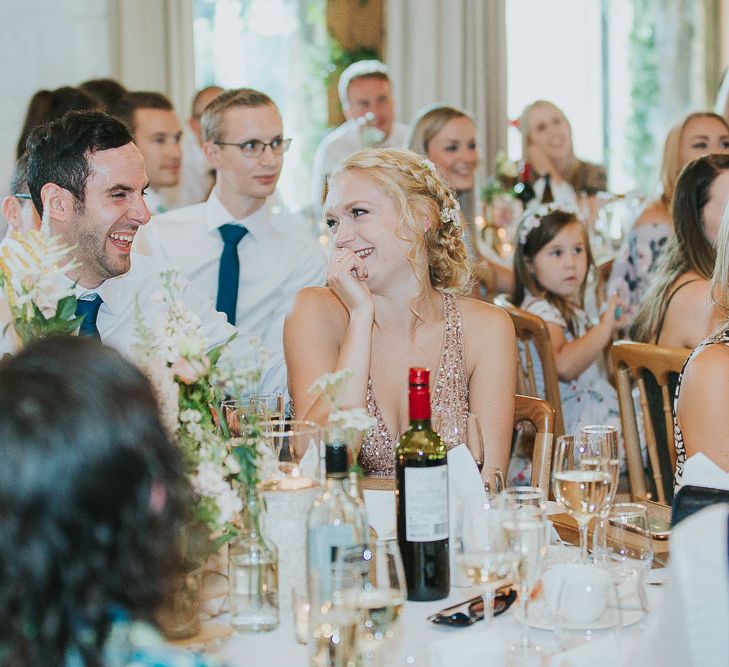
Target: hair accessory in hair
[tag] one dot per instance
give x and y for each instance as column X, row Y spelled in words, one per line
column 427, row 164
column 452, row 215
column 533, row 218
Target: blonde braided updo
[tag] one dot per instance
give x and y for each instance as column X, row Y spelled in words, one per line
column 420, row 194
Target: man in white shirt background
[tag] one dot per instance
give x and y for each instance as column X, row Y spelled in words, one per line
column 197, row 177
column 365, row 92
column 89, row 176
column 241, row 247
column 157, row 133
column 18, row 209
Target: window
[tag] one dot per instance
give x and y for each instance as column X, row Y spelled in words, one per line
column 280, row 48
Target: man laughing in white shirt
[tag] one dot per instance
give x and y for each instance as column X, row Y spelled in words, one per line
column 241, row 248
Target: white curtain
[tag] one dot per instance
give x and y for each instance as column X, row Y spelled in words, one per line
column 152, row 48
column 451, row 51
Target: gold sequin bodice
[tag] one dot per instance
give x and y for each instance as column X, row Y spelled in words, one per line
column 448, row 401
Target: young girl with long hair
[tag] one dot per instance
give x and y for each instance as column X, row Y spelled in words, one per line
column 551, row 263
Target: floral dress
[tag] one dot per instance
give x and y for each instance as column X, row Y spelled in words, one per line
column 635, row 263
column 137, row 644
column 589, row 399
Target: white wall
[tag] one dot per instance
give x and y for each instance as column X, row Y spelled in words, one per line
column 46, row 44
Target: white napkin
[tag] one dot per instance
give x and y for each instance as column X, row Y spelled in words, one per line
column 464, row 486
column 700, row 470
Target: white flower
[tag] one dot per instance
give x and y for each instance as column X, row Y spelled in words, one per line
column 427, row 164
column 451, row 215
column 33, row 268
column 355, row 419
column 231, row 463
column 324, row 382
column 533, row 218
column 506, row 167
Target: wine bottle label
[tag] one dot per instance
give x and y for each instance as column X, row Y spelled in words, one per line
column 426, row 504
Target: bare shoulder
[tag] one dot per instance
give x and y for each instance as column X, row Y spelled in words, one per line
column 481, row 318
column 708, row 372
column 320, row 307
column 654, row 213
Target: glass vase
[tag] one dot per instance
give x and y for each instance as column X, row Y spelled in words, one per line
column 253, row 573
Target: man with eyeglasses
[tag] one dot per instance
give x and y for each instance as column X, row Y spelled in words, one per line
column 17, row 207
column 241, row 247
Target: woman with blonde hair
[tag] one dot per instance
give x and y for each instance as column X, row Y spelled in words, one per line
column 699, row 134
column 547, row 148
column 447, row 136
column 393, row 301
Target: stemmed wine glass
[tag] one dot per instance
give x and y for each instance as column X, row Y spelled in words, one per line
column 610, row 435
column 527, row 533
column 482, row 549
column 581, row 480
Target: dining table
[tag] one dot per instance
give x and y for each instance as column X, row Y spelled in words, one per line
column 422, row 643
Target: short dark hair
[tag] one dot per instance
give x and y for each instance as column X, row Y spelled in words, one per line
column 83, row 454
column 106, row 92
column 126, row 107
column 19, row 177
column 58, row 152
column 47, row 105
column 212, row 117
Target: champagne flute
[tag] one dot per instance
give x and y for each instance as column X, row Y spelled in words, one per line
column 528, row 537
column 381, row 591
column 581, row 480
column 610, row 435
column 482, row 550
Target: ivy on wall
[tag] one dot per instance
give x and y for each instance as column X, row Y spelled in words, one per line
column 642, row 154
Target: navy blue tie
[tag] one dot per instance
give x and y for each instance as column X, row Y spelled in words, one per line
column 229, row 272
column 89, row 308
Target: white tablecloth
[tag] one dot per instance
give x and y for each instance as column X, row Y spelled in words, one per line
column 456, row 647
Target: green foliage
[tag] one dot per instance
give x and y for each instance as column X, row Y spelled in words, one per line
column 644, row 95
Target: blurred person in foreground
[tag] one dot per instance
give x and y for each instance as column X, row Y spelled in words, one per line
column 94, row 498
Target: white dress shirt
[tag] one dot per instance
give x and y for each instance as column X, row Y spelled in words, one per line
column 339, row 144
column 116, row 319
column 155, row 202
column 274, row 265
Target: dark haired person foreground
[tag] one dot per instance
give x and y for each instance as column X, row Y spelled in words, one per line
column 93, row 499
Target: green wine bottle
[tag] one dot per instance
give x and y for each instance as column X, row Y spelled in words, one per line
column 422, row 498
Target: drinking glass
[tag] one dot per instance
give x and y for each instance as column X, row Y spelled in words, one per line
column 581, row 480
column 525, row 501
column 629, row 549
column 295, row 446
column 527, row 534
column 474, row 439
column 482, row 550
column 493, row 482
column 610, row 435
column 262, row 406
column 378, row 596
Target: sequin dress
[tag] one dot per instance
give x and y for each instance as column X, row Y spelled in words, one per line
column 449, row 400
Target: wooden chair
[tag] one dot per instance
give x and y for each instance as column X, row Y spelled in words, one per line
column 542, row 416
column 531, row 328
column 631, row 361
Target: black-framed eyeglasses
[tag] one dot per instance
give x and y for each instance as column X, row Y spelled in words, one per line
column 22, row 195
column 255, row 147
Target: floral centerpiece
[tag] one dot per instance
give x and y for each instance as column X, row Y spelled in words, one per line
column 190, row 382
column 39, row 297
